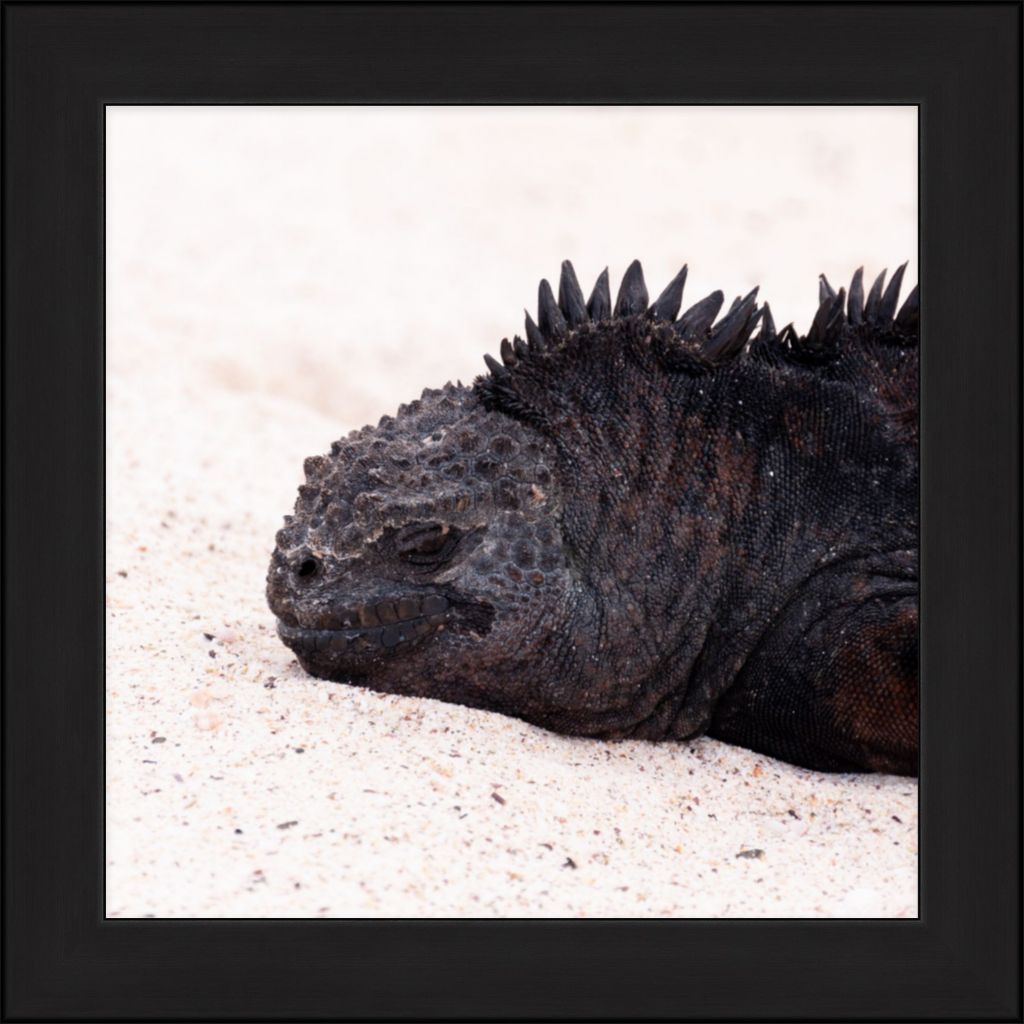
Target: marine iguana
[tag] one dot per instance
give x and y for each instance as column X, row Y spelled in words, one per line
column 638, row 525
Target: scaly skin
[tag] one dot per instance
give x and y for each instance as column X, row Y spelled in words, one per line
column 637, row 526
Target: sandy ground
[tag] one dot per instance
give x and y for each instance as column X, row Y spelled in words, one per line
column 277, row 277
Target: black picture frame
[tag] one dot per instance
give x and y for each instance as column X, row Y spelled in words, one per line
column 64, row 62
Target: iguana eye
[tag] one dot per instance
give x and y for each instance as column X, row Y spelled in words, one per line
column 424, row 543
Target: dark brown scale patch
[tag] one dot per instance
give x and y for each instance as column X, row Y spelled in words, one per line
column 504, row 447
column 550, row 560
column 802, row 431
column 876, row 690
column 506, row 494
column 486, row 467
column 523, row 554
column 468, row 442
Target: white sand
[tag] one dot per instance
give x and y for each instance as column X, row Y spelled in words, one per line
column 276, row 278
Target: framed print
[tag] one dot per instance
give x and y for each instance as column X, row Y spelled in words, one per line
column 256, row 339
column 238, row 235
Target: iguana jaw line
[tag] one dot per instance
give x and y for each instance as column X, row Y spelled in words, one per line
column 356, row 641
column 354, row 636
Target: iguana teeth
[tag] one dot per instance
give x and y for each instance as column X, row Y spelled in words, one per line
column 387, row 613
column 434, row 604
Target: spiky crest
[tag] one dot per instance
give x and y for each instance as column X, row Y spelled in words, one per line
column 707, row 344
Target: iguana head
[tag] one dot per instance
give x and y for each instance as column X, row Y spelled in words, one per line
column 424, row 552
column 550, row 543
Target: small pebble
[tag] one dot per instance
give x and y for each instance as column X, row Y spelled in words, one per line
column 206, row 721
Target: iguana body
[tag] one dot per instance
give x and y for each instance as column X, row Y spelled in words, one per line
column 638, row 526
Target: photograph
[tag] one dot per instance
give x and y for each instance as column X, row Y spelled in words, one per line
column 511, row 511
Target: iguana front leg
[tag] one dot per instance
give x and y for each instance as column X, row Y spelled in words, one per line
column 836, row 691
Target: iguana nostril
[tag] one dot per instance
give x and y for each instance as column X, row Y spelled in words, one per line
column 307, row 567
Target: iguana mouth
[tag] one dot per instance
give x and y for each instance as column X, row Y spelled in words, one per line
column 351, row 641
